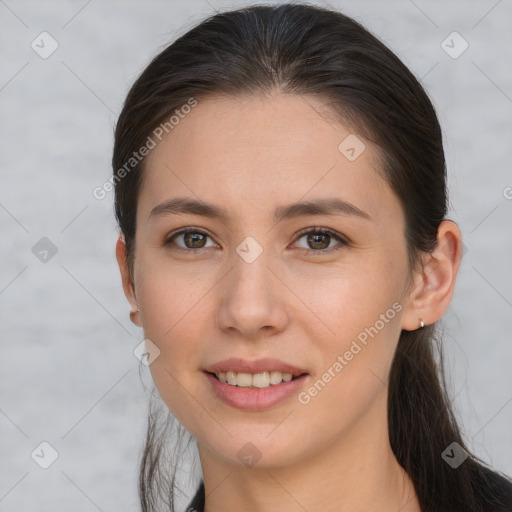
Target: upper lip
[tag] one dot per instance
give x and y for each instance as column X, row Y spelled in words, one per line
column 255, row 366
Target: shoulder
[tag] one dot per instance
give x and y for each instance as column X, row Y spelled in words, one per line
column 499, row 485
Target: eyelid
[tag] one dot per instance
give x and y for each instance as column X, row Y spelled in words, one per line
column 320, row 229
column 343, row 241
column 183, row 231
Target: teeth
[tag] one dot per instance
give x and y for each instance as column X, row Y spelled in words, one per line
column 257, row 380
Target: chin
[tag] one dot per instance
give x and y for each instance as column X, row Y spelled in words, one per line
column 257, row 450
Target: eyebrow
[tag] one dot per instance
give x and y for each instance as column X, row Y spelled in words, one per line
column 323, row 206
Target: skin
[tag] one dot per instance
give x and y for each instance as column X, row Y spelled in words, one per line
column 250, row 155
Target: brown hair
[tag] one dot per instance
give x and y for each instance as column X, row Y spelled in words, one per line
column 309, row 50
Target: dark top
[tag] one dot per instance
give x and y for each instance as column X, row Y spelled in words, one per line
column 197, row 503
column 501, row 487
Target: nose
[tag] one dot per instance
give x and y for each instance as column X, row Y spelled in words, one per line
column 253, row 303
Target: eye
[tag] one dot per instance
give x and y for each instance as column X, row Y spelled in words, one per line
column 320, row 239
column 194, row 239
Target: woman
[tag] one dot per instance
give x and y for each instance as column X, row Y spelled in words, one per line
column 281, row 196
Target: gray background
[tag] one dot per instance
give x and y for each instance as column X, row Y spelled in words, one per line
column 68, row 374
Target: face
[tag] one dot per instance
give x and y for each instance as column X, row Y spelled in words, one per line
column 321, row 290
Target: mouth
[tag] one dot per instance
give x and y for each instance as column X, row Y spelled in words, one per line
column 255, row 391
column 255, row 384
column 259, row 380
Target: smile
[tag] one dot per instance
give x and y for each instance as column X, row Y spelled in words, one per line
column 263, row 379
column 251, row 397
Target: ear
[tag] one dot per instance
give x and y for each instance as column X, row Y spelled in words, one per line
column 128, row 287
column 433, row 286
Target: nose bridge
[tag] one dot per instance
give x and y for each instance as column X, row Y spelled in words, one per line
column 250, row 300
column 250, row 276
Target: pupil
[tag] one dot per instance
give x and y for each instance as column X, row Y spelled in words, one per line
column 314, row 239
column 193, row 238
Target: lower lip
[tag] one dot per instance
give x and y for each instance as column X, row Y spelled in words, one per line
column 254, row 399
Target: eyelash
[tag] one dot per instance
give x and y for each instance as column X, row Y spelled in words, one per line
column 317, row 230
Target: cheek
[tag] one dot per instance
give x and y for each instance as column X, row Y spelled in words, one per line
column 354, row 332
column 342, row 302
column 172, row 297
column 352, row 380
column 173, row 312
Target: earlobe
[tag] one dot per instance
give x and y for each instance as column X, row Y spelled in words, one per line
column 134, row 317
column 126, row 279
column 433, row 289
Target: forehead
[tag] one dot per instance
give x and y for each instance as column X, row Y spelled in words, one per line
column 259, row 152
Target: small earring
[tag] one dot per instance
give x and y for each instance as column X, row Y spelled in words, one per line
column 421, row 324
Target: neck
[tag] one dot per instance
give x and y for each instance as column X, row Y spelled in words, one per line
column 357, row 471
